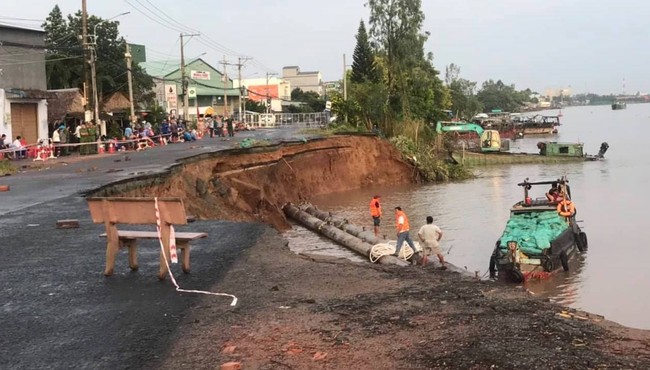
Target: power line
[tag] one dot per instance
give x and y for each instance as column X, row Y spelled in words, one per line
column 39, row 61
column 165, row 19
column 151, row 18
column 23, row 19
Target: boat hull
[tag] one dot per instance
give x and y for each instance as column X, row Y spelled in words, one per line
column 507, row 267
column 539, row 131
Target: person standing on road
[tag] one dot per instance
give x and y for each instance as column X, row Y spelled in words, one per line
column 84, row 138
column 402, row 226
column 430, row 236
column 231, row 129
column 64, row 135
column 56, row 140
column 375, row 213
column 209, row 122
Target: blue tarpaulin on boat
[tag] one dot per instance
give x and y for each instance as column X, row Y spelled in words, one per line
column 533, row 231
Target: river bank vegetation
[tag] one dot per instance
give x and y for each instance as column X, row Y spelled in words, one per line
column 395, row 89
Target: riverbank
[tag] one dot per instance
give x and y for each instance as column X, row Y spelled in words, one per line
column 253, row 184
column 299, row 313
column 293, row 311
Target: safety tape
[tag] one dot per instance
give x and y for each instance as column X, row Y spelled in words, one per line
column 174, row 256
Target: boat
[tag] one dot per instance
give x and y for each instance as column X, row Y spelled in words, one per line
column 540, row 125
column 619, row 105
column 540, row 237
column 499, row 121
column 576, row 150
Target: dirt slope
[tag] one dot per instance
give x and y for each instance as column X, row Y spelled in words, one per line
column 252, row 185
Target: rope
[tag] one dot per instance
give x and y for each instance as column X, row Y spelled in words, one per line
column 171, row 275
column 384, row 249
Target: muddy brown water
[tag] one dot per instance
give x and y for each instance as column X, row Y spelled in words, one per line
column 611, row 198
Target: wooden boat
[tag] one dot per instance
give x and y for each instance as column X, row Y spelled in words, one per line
column 619, row 105
column 540, row 125
column 540, row 236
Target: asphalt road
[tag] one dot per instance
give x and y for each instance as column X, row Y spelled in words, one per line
column 57, row 309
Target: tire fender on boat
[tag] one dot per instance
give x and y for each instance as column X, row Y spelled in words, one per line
column 516, row 275
column 547, row 264
column 581, row 241
column 564, row 260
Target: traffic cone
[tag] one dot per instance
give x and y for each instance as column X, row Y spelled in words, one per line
column 111, row 147
column 100, row 148
column 161, row 140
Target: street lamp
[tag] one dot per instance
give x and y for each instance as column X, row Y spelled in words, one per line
column 104, row 21
column 93, row 62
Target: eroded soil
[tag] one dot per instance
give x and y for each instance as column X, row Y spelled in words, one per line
column 254, row 185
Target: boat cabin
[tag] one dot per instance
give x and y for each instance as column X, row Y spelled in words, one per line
column 555, row 149
column 528, row 204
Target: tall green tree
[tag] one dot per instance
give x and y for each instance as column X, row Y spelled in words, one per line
column 63, row 52
column 414, row 89
column 65, row 57
column 363, row 60
column 464, row 102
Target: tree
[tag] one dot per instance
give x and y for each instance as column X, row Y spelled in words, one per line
column 497, row 95
column 464, row 102
column 63, row 65
column 363, row 60
column 65, row 57
column 314, row 103
column 414, row 90
column 452, row 73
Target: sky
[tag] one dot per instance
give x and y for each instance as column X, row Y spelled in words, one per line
column 581, row 45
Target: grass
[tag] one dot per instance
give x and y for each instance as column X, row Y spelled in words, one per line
column 6, row 167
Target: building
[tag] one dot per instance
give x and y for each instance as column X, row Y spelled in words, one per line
column 206, row 88
column 276, row 89
column 306, row 81
column 23, row 84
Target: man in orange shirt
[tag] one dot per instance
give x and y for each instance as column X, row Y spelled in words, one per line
column 375, row 213
column 402, row 225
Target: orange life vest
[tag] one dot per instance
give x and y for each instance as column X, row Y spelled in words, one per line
column 375, row 208
column 401, row 227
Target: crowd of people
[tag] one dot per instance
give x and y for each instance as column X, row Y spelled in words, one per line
column 85, row 136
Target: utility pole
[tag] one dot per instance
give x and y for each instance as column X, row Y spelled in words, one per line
column 345, row 78
column 87, row 58
column 242, row 102
column 225, row 86
column 184, row 82
column 93, row 60
column 345, row 85
column 267, row 93
column 186, row 100
column 130, row 80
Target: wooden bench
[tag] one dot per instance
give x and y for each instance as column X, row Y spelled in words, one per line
column 142, row 211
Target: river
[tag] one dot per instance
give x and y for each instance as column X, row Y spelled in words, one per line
column 610, row 196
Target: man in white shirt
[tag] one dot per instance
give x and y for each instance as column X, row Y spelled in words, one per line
column 430, row 236
column 17, row 145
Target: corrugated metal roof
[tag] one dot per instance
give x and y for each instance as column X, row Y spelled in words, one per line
column 161, row 68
